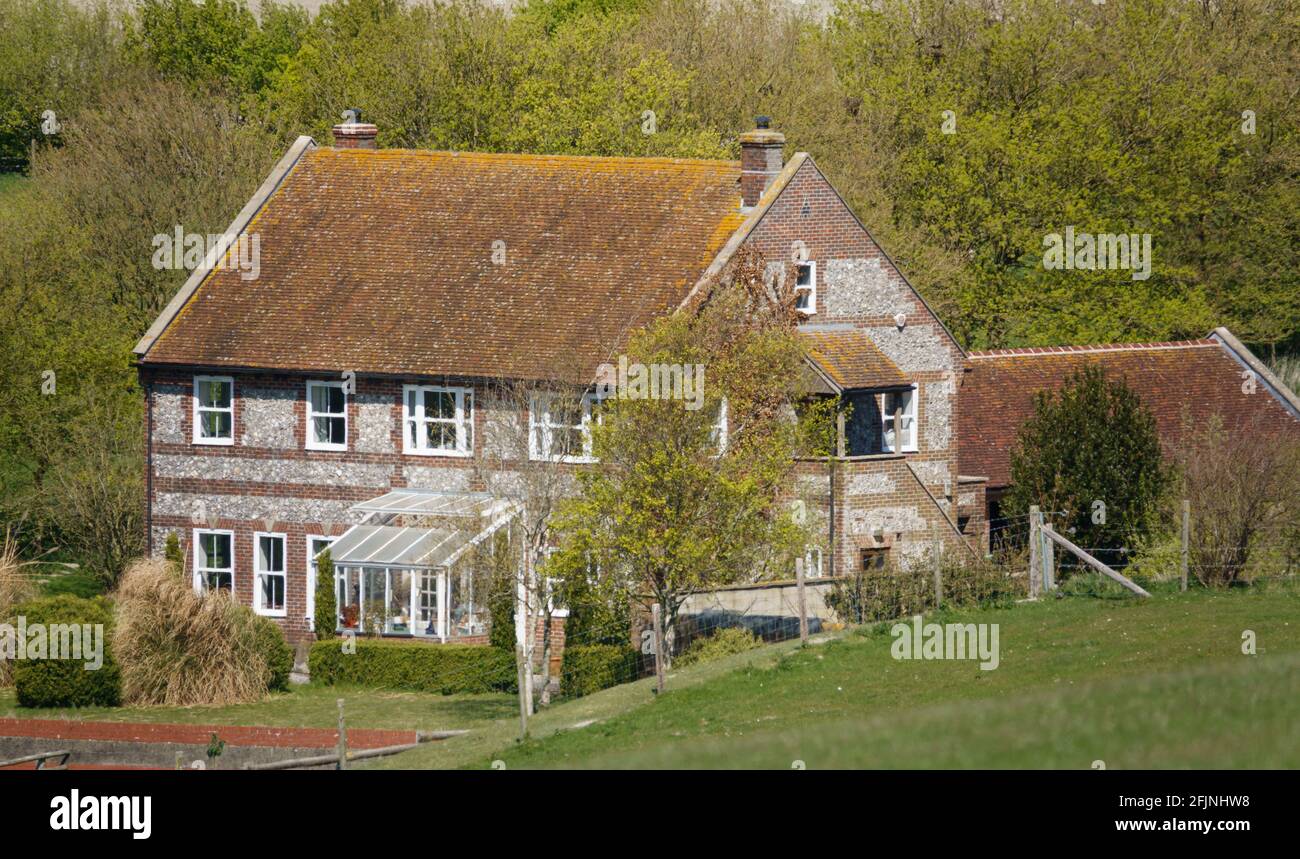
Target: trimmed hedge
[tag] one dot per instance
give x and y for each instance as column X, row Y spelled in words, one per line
column 66, row 682
column 276, row 651
column 449, row 669
column 589, row 668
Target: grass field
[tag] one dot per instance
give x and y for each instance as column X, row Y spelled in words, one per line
column 1150, row 684
column 1159, row 683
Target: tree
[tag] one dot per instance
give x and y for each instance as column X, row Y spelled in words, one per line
column 1090, row 457
column 683, row 501
column 326, row 619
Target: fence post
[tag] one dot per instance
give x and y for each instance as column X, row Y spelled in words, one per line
column 659, row 645
column 1187, row 535
column 522, row 677
column 938, row 572
column 1048, row 554
column 803, row 604
column 1035, row 543
column 343, row 741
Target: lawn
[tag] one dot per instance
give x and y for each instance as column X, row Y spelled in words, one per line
column 1136, row 684
column 306, row 707
column 1156, row 683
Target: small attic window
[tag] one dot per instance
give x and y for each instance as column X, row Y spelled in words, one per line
column 805, row 288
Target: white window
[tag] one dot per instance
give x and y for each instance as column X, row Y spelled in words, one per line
column 905, row 402
column 214, row 410
column 805, row 287
column 437, row 421
column 559, row 427
column 315, row 545
column 214, row 561
column 269, row 581
column 327, row 416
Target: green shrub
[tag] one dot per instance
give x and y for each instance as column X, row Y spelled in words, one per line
column 173, row 555
column 589, row 668
column 78, row 583
column 326, row 619
column 724, row 642
column 275, row 651
column 449, row 669
column 65, row 682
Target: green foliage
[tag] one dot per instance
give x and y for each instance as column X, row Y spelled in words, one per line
column 724, row 642
column 1090, row 457
column 77, row 583
column 173, row 555
column 326, row 619
column 65, row 682
column 589, row 668
column 275, row 651
column 448, row 669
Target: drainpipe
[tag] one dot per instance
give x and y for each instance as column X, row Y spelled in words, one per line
column 148, row 466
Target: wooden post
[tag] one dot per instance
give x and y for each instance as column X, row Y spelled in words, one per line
column 343, row 741
column 1048, row 552
column 1035, row 542
column 803, row 605
column 937, row 566
column 659, row 645
column 1187, row 539
column 1093, row 562
column 521, row 674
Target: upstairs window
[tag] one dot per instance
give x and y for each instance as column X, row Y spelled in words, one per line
column 904, row 402
column 438, row 421
column 805, row 288
column 327, row 416
column 214, row 410
column 559, row 428
column 875, row 560
column 214, row 561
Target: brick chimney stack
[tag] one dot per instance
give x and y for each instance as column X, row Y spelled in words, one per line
column 355, row 134
column 760, row 160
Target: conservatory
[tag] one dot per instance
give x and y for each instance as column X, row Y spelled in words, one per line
column 401, row 571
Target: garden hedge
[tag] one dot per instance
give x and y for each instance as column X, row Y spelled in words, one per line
column 589, row 668
column 420, row 666
column 65, row 682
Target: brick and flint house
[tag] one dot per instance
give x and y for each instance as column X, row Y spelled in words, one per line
column 350, row 391
column 349, row 387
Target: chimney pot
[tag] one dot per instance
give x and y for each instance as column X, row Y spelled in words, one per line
column 354, row 134
column 760, row 160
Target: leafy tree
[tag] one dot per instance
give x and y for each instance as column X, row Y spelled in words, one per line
column 673, row 510
column 172, row 553
column 1090, row 457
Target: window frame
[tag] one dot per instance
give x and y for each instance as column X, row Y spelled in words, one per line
column 258, row 572
column 811, row 288
column 312, row 415
column 535, row 422
column 887, row 421
column 198, row 410
column 464, row 421
column 200, row 573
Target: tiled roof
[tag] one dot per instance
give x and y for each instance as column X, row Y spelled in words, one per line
column 849, row 358
column 1193, row 378
column 382, row 261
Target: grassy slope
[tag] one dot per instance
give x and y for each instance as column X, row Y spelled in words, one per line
column 1154, row 684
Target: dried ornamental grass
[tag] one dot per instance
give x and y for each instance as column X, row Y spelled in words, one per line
column 178, row 648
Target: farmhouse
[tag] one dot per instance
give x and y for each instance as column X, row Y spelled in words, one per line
column 351, row 394
column 352, row 387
